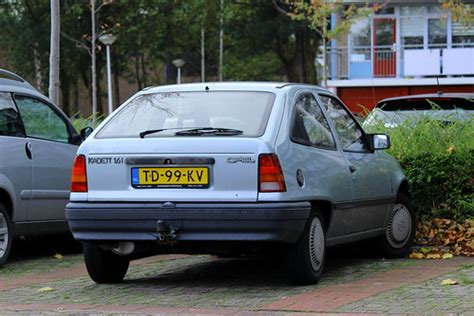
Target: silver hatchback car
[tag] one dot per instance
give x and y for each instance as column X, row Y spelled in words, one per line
column 37, row 148
column 229, row 168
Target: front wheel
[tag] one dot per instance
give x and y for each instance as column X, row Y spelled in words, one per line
column 306, row 257
column 104, row 266
column 400, row 231
column 5, row 234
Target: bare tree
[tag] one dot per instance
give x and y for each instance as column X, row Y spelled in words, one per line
column 93, row 67
column 54, row 53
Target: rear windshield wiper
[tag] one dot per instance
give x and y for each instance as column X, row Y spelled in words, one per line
column 150, row 131
column 195, row 131
column 209, row 131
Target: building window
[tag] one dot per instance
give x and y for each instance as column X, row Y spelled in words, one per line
column 437, row 33
column 412, row 23
column 361, row 36
column 386, row 10
column 462, row 36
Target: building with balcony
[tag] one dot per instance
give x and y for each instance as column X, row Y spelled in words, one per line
column 404, row 48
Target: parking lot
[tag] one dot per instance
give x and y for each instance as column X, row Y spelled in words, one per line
column 356, row 281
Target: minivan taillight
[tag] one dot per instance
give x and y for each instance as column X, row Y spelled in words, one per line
column 270, row 175
column 79, row 177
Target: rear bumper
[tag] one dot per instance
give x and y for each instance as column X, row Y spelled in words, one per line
column 282, row 222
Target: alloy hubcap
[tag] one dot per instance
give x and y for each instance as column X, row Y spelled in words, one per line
column 399, row 226
column 3, row 235
column 316, row 244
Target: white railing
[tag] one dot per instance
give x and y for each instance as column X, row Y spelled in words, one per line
column 400, row 61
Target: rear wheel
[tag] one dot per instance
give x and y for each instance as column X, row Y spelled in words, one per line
column 307, row 256
column 5, row 234
column 401, row 228
column 104, row 266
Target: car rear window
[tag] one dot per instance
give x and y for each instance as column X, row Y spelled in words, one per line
column 246, row 111
column 427, row 104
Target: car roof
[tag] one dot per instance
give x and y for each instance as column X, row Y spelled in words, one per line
column 230, row 85
column 460, row 95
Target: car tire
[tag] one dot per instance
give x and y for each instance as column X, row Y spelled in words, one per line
column 400, row 231
column 306, row 258
column 6, row 234
column 104, row 266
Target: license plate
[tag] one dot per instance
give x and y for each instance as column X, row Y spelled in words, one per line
column 170, row 177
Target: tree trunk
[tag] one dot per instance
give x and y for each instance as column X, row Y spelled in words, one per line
column 54, row 53
column 221, row 43
column 144, row 74
column 65, row 90
column 93, row 66
column 298, row 57
column 100, row 104
column 116, row 76
column 203, row 55
column 137, row 72
column 76, row 97
column 38, row 70
column 300, row 44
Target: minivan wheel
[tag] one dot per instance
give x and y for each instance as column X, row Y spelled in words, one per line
column 401, row 229
column 306, row 258
column 5, row 234
column 104, row 266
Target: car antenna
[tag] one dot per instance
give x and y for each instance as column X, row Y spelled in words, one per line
column 439, row 92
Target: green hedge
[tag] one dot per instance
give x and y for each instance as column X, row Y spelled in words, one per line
column 438, row 160
column 81, row 122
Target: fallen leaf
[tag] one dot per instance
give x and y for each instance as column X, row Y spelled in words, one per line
column 425, row 250
column 431, row 234
column 448, row 256
column 449, row 282
column 45, row 289
column 470, row 244
column 433, row 256
column 441, row 236
column 416, row 255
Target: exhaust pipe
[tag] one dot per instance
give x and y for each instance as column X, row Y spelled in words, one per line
column 123, row 248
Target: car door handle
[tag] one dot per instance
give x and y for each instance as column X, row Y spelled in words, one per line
column 352, row 168
column 28, row 147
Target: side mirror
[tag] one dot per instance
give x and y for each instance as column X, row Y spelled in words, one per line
column 379, row 141
column 86, row 131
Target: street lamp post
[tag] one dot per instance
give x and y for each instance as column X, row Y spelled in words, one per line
column 108, row 39
column 178, row 63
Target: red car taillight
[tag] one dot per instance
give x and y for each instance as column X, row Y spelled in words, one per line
column 270, row 175
column 79, row 176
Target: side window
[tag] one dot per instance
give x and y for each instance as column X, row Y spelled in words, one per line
column 350, row 134
column 10, row 122
column 40, row 120
column 310, row 127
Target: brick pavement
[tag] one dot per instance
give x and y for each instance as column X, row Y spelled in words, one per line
column 70, row 272
column 332, row 297
column 205, row 285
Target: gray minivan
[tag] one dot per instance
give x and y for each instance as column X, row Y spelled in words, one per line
column 37, row 148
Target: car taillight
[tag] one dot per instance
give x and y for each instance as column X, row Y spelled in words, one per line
column 79, row 177
column 270, row 175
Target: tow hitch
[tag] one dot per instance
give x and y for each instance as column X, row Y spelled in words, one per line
column 166, row 233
